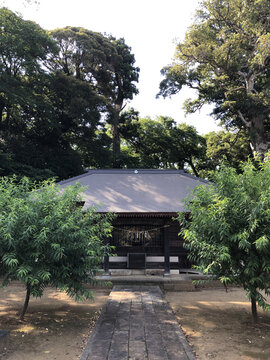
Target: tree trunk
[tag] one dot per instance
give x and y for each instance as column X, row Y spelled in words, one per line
column 26, row 302
column 258, row 135
column 193, row 167
column 254, row 310
column 116, row 137
column 2, row 106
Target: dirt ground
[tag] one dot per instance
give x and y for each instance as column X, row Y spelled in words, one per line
column 55, row 326
column 218, row 325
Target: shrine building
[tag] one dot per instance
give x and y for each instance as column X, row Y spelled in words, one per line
column 145, row 234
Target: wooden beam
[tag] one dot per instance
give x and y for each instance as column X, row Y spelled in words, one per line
column 106, row 261
column 166, row 241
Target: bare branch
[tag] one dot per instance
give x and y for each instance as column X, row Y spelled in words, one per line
column 241, row 73
column 122, row 108
column 246, row 123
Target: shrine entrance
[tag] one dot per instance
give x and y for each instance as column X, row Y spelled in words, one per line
column 138, row 238
column 146, row 241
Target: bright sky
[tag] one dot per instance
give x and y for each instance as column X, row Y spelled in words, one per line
column 149, row 28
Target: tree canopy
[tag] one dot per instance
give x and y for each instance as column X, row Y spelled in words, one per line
column 106, row 64
column 231, row 148
column 62, row 95
column 159, row 143
column 58, row 91
column 228, row 230
column 225, row 58
column 124, row 75
column 29, row 129
column 23, row 47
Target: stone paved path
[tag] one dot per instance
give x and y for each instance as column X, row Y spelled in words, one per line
column 137, row 323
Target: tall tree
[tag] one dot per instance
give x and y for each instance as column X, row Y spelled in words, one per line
column 56, row 93
column 225, row 57
column 23, row 48
column 77, row 121
column 124, row 75
column 106, row 64
column 50, row 121
column 86, row 55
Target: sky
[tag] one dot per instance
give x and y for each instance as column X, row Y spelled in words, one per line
column 150, row 27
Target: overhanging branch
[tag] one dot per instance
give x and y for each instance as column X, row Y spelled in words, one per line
column 246, row 123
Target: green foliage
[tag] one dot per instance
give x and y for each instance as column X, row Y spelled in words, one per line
column 104, row 62
column 160, row 143
column 46, row 239
column 230, row 147
column 77, row 125
column 57, row 91
column 30, row 140
column 85, row 54
column 124, row 75
column 228, row 231
column 225, row 58
column 224, row 147
column 23, row 47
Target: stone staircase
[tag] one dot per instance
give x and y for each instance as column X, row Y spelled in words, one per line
column 175, row 282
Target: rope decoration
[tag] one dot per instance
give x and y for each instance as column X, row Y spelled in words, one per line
column 154, row 229
column 135, row 237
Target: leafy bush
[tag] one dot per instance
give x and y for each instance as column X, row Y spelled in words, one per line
column 228, row 231
column 47, row 239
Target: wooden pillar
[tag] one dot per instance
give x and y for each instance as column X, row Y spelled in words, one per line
column 166, row 240
column 106, row 261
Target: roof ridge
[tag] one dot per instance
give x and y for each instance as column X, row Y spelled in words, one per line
column 132, row 171
column 196, row 178
column 72, row 178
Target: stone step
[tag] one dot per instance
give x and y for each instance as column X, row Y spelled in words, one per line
column 180, row 286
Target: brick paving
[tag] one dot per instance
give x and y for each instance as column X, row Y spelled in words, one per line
column 137, row 323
